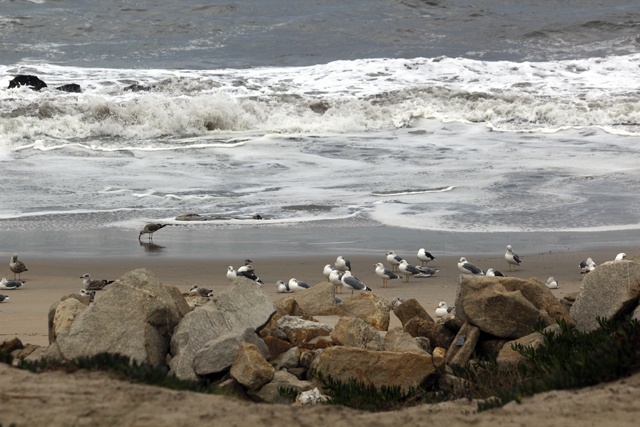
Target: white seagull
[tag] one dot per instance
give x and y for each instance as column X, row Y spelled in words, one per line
column 10, row 284
column 327, row 271
column 425, row 257
column 354, row 283
column 16, row 266
column 587, row 265
column 231, row 274
column 394, row 260
column 385, row 274
column 492, row 272
column 342, row 264
column 282, row 287
column 620, row 256
column 94, row 285
column 443, row 309
column 203, row 292
column 335, row 277
column 512, row 259
column 467, row 267
column 298, row 285
column 552, row 283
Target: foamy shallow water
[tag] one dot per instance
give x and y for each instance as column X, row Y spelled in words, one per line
column 426, row 144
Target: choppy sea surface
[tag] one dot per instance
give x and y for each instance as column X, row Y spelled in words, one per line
column 484, row 116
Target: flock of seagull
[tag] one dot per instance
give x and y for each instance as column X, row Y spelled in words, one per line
column 339, row 274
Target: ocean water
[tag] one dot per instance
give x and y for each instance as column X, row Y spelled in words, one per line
column 484, row 116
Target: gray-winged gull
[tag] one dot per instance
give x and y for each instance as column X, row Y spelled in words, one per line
column 587, row 265
column 425, row 257
column 512, row 259
column 335, row 277
column 3, row 298
column 94, row 285
column 326, row 271
column 552, row 283
column 409, row 270
column 443, row 309
column 353, row 283
column 342, row 264
column 385, row 274
column 203, row 292
column 250, row 273
column 394, row 260
column 10, row 284
column 282, row 287
column 16, row 266
column 298, row 285
column 467, row 267
column 492, row 272
column 620, row 256
column 150, row 229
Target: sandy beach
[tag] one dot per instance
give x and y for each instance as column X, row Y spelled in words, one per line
column 55, row 269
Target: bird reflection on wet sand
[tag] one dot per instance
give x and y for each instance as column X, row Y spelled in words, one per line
column 151, row 247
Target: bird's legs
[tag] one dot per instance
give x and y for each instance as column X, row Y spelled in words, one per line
column 406, row 280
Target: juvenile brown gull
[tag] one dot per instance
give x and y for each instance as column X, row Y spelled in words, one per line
column 94, row 285
column 203, row 292
column 16, row 266
column 150, row 229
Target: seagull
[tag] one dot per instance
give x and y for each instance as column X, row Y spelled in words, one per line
column 343, row 264
column 396, row 302
column 245, row 267
column 443, row 309
column 337, row 300
column 492, row 272
column 620, row 256
column 231, row 274
column 425, row 257
column 94, row 285
column 298, row 285
column 203, row 292
column 335, row 277
column 10, row 284
column 394, row 260
column 552, row 283
column 512, row 259
column 409, row 270
column 150, row 229
column 16, row 266
column 327, row 270
column 92, row 294
column 3, row 298
column 467, row 267
column 250, row 273
column 587, row 265
column 385, row 274
column 354, row 283
column 282, row 287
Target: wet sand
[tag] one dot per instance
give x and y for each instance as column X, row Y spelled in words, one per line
column 49, row 278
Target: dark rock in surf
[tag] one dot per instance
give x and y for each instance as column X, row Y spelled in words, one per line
column 27, row 80
column 137, row 88
column 71, row 88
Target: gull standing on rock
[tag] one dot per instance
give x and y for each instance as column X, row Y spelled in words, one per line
column 512, row 259
column 552, row 283
column 587, row 265
column 443, row 309
column 282, row 287
column 16, row 266
column 298, row 285
column 492, row 272
column 343, row 264
column 425, row 257
column 250, row 273
column 354, row 283
column 327, row 270
column 150, row 229
column 203, row 292
column 468, row 268
column 394, row 260
column 385, row 274
column 231, row 273
column 94, row 285
column 335, row 277
column 91, row 294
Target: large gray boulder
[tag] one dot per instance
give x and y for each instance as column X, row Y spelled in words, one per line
column 218, row 354
column 507, row 307
column 314, row 300
column 610, row 291
column 135, row 317
column 243, row 305
column 355, row 332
